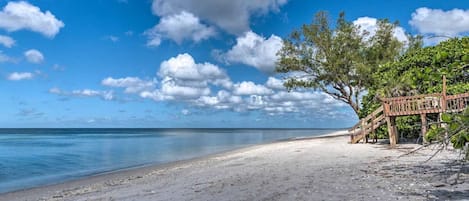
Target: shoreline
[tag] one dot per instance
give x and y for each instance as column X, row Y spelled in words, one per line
column 285, row 167
column 151, row 166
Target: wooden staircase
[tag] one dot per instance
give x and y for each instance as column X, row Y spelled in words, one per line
column 367, row 125
column 422, row 105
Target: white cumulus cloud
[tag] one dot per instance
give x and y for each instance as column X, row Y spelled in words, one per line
column 22, row 15
column 439, row 22
column 222, row 100
column 5, row 58
column 204, row 85
column 6, row 41
column 184, row 78
column 34, row 56
column 183, row 70
column 131, row 84
column 231, row 16
column 254, row 50
column 172, row 90
column 105, row 95
column 179, row 27
column 274, row 83
column 184, row 67
column 250, row 88
column 370, row 25
column 85, row 92
column 154, row 95
column 16, row 76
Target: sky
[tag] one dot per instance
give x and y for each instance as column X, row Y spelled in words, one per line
column 179, row 63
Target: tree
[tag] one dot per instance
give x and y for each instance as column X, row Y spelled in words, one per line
column 338, row 61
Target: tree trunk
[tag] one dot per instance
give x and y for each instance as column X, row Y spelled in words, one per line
column 355, row 107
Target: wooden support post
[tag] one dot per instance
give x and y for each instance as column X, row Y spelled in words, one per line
column 423, row 118
column 396, row 133
column 375, row 140
column 366, row 138
column 391, row 121
column 364, row 131
column 443, row 95
column 372, row 127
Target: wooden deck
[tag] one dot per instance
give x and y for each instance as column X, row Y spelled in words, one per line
column 405, row 106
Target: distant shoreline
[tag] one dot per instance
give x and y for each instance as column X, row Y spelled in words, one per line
column 181, row 128
column 122, row 130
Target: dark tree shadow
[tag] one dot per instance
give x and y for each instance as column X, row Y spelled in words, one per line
column 445, row 194
column 448, row 180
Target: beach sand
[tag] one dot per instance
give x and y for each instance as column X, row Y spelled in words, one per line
column 326, row 168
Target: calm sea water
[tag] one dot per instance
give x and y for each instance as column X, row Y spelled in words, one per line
column 34, row 157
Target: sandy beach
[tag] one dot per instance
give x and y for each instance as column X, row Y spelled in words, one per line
column 326, row 168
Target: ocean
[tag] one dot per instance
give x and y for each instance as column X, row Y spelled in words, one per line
column 35, row 157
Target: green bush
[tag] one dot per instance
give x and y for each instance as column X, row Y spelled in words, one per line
column 456, row 131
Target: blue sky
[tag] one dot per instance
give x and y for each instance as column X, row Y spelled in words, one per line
column 178, row 63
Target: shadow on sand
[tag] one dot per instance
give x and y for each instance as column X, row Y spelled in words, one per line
column 444, row 180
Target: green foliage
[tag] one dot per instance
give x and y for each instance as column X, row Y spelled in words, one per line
column 446, row 117
column 369, row 104
column 339, row 61
column 457, row 130
column 434, row 133
column 408, row 126
column 420, row 71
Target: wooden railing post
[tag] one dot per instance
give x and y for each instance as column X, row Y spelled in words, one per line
column 386, row 108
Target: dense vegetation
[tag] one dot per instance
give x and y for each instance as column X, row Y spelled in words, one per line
column 420, row 71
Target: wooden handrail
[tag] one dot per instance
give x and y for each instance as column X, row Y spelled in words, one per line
column 411, row 97
column 424, row 104
column 457, row 103
column 367, row 118
column 464, row 95
column 367, row 125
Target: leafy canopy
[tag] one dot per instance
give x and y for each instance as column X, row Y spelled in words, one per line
column 338, row 61
column 421, row 71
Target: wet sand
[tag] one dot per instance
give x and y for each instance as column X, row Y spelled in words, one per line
column 325, row 168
